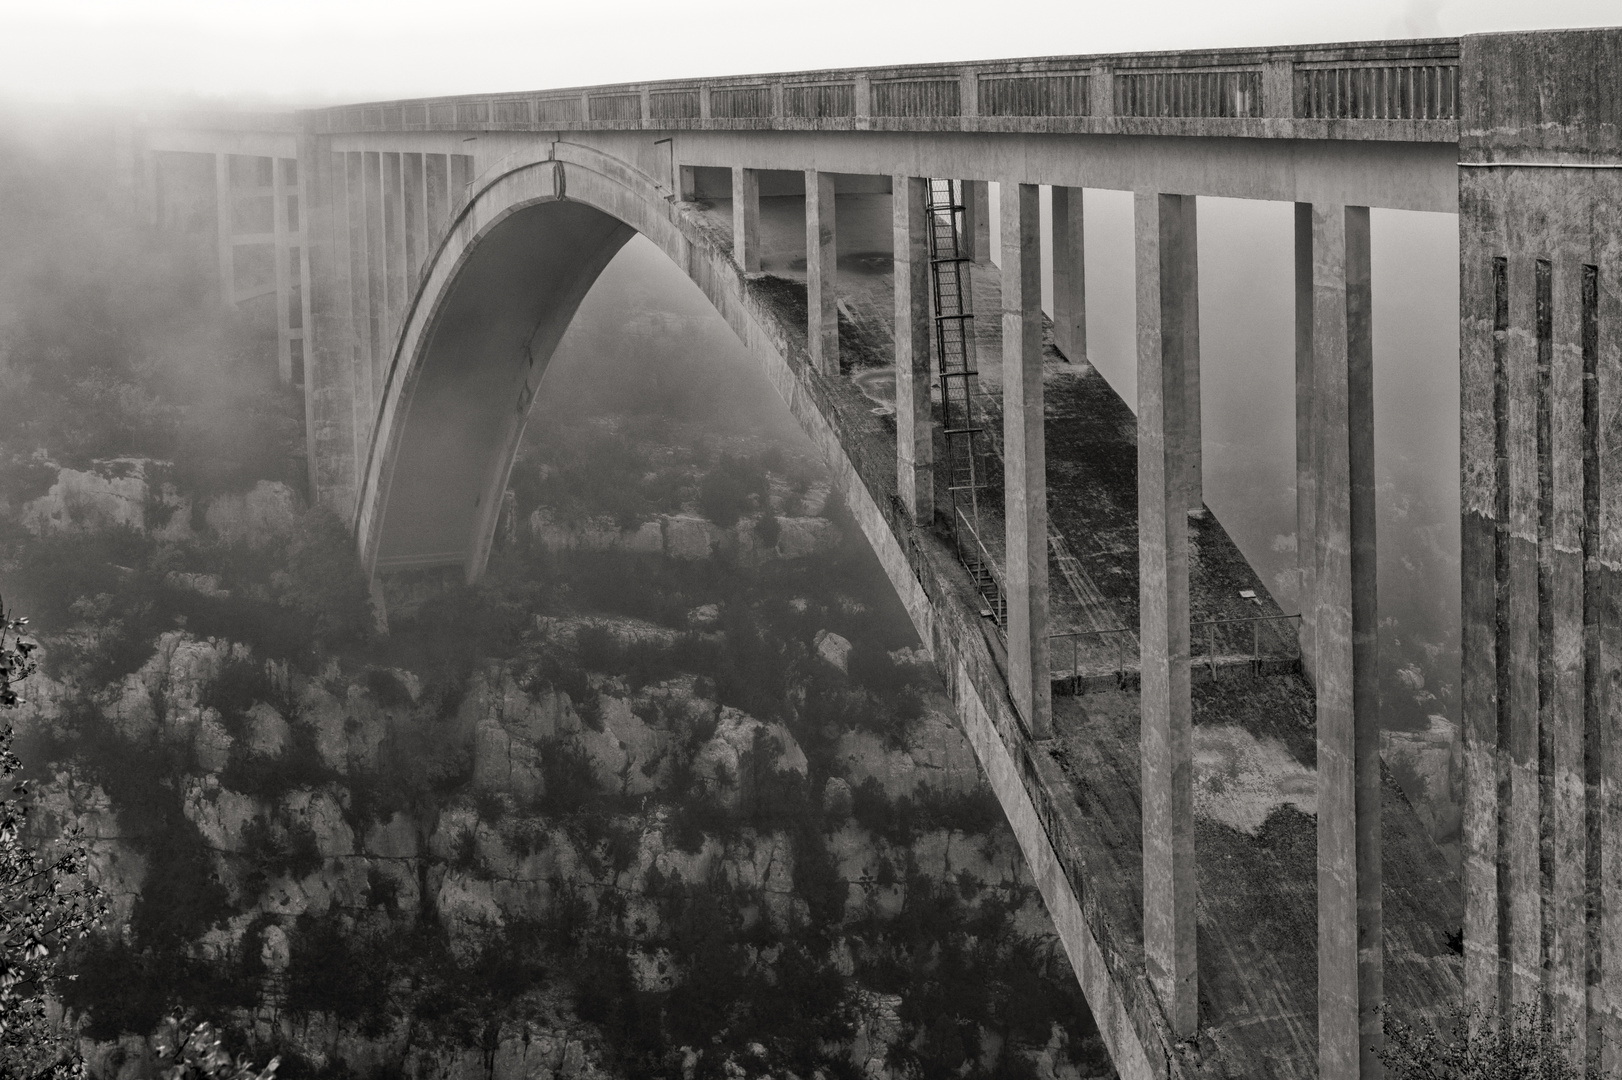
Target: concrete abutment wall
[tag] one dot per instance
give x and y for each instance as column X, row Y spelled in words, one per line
column 1540, row 220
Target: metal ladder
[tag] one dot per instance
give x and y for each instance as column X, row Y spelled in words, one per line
column 952, row 290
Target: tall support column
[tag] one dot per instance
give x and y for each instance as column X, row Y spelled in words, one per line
column 1164, row 242
column 746, row 220
column 1306, row 475
column 359, row 272
column 1025, row 484
column 416, row 224
column 225, row 225
column 329, row 390
column 976, row 220
column 914, row 426
column 1069, row 275
column 377, row 276
column 285, row 270
column 1189, row 278
column 1349, row 880
column 821, row 272
column 395, row 280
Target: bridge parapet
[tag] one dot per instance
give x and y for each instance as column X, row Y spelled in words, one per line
column 1399, row 90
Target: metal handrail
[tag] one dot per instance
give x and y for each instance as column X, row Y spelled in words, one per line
column 986, row 562
column 1210, row 627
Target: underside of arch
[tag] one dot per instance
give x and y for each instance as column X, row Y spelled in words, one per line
column 469, row 391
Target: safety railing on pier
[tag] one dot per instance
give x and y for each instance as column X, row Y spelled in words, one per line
column 1215, row 644
column 982, row 568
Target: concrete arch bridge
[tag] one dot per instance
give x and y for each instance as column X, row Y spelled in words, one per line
column 422, row 259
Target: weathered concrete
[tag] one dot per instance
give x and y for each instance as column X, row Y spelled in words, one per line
column 976, row 238
column 821, row 271
column 1306, row 439
column 914, row 418
column 1349, row 873
column 1025, row 487
column 1540, row 258
column 1165, row 254
column 746, row 220
column 1069, row 274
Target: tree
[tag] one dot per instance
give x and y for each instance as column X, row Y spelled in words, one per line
column 191, row 1049
column 45, row 900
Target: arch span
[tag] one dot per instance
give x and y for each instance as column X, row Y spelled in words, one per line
column 482, row 329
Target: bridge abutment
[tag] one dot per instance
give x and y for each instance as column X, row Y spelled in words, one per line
column 1540, row 223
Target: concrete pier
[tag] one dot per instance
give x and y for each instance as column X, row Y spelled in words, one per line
column 976, row 197
column 914, row 418
column 821, row 272
column 746, row 220
column 1165, row 255
column 1069, row 274
column 1025, row 459
column 225, row 225
column 1306, row 468
column 1349, row 872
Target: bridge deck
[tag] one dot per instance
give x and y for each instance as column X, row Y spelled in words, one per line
column 1254, row 732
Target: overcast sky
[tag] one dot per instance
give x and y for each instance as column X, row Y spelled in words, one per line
column 322, row 51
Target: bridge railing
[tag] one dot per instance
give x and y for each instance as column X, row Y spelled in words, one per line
column 1409, row 82
column 1111, row 655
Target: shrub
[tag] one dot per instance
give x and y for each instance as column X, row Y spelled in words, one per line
column 1474, row 1044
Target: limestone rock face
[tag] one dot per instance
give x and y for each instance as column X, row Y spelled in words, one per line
column 935, row 753
column 691, row 538
column 833, row 649
column 509, row 728
column 729, row 764
column 1428, row 766
column 111, row 494
column 267, row 733
column 221, row 815
column 268, row 512
column 800, row 537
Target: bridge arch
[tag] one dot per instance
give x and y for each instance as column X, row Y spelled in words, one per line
column 480, row 333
